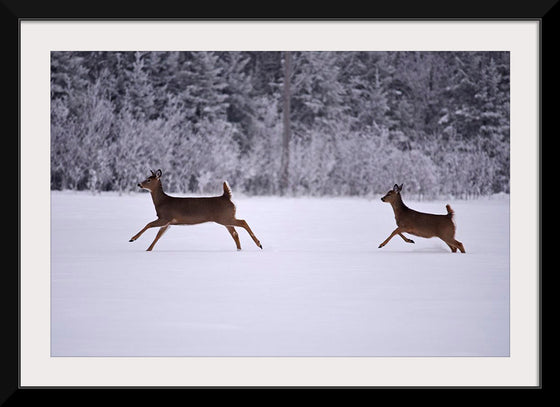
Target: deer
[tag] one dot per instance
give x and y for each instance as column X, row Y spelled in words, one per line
column 191, row 211
column 421, row 224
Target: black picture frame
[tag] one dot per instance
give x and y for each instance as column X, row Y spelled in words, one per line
column 13, row 12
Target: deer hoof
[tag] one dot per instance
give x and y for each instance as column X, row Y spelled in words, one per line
column 260, row 245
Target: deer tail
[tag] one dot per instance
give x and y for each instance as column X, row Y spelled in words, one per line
column 227, row 190
column 450, row 211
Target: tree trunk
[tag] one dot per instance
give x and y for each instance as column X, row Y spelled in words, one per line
column 287, row 132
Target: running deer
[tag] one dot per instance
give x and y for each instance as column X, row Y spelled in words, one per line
column 191, row 211
column 421, row 224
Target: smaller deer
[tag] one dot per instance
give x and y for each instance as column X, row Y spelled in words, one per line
column 191, row 211
column 419, row 223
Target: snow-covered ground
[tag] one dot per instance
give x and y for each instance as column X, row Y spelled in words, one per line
column 320, row 286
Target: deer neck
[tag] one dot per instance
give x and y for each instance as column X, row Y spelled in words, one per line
column 399, row 207
column 158, row 196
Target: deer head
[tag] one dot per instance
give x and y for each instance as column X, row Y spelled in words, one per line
column 152, row 182
column 392, row 194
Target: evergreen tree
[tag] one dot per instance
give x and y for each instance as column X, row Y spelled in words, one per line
column 204, row 87
column 140, row 94
column 240, row 102
column 353, row 120
column 318, row 95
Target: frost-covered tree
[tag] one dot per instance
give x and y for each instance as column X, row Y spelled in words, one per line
column 357, row 121
column 317, row 95
column 239, row 97
column 203, row 91
column 140, row 95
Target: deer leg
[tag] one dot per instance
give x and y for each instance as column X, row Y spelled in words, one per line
column 241, row 223
column 407, row 240
column 396, row 231
column 453, row 248
column 235, row 236
column 459, row 245
column 155, row 223
column 159, row 234
column 454, row 245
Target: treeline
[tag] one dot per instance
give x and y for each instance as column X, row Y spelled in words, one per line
column 359, row 121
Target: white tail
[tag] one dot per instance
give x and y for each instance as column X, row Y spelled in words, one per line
column 191, row 211
column 419, row 223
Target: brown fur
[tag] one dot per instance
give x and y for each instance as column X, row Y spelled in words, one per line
column 421, row 224
column 191, row 211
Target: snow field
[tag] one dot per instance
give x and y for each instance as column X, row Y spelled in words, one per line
column 320, row 286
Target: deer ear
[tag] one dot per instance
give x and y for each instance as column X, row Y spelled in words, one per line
column 153, row 173
column 158, row 174
column 400, row 188
column 396, row 188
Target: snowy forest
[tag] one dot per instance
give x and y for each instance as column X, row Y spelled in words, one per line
column 295, row 123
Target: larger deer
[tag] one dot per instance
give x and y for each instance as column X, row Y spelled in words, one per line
column 419, row 223
column 191, row 211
